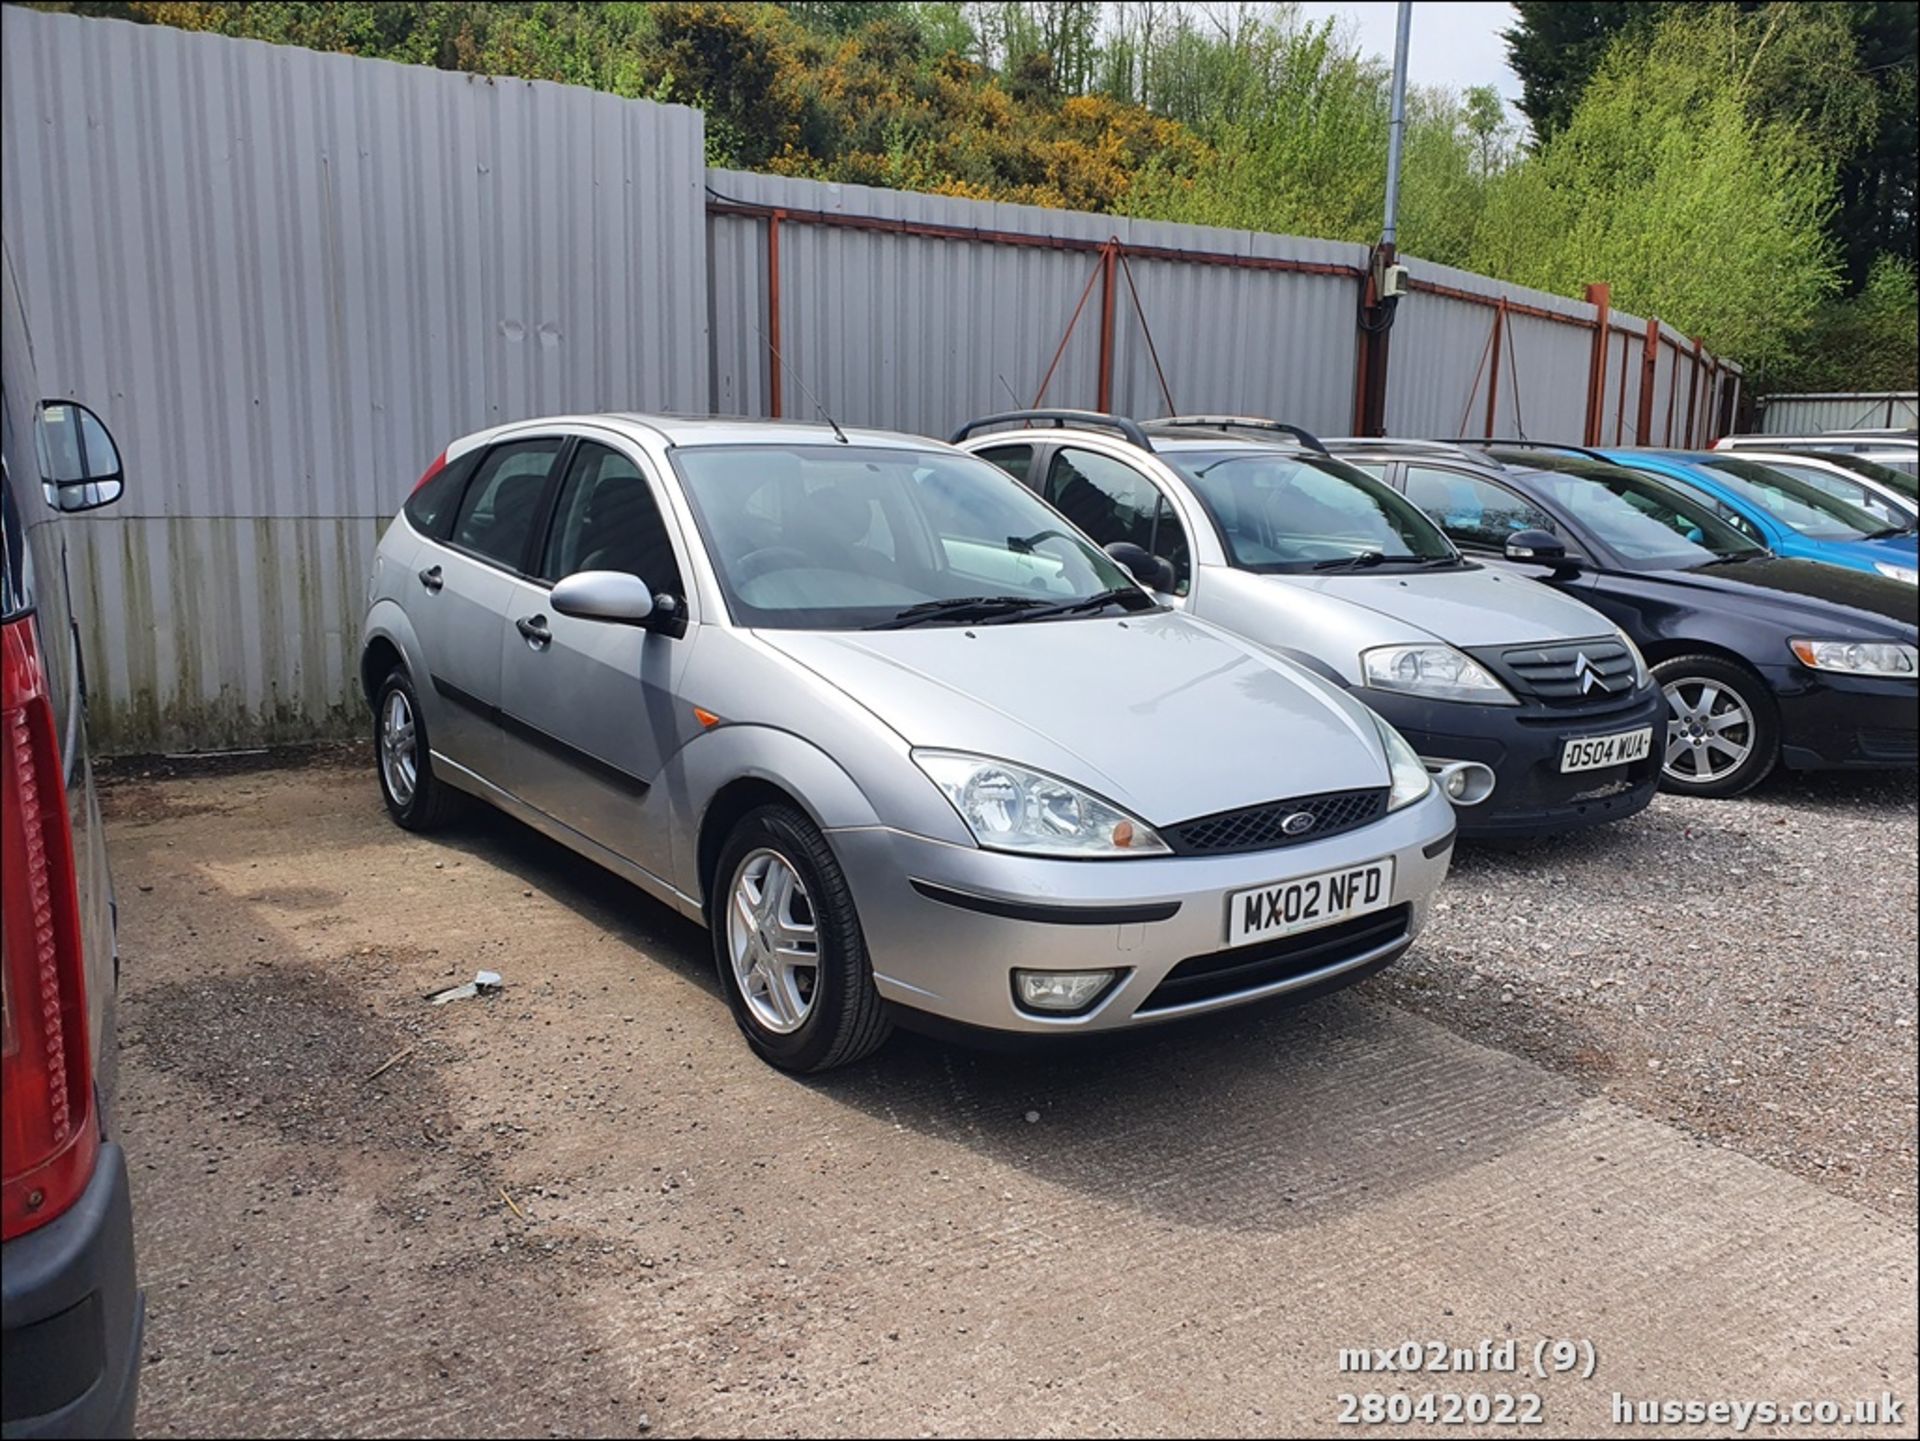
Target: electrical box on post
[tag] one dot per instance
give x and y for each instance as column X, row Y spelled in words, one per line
column 1393, row 282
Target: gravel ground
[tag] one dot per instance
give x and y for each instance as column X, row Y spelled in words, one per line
column 1743, row 969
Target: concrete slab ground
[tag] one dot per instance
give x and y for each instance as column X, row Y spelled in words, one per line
column 581, row 1207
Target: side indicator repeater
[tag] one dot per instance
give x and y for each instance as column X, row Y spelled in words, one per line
column 706, row 717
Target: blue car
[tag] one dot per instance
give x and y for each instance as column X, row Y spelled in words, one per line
column 1783, row 512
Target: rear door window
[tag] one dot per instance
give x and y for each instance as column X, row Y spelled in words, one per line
column 1015, row 460
column 502, row 502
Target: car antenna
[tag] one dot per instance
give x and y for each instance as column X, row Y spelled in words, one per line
column 774, row 350
column 1009, row 390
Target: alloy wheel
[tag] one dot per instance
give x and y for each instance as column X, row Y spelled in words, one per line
column 1710, row 730
column 772, row 941
column 399, row 759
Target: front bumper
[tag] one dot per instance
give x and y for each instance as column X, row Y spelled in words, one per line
column 1523, row 745
column 946, row 926
column 73, row 1317
column 1846, row 722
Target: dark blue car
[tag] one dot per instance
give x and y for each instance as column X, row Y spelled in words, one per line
column 1764, row 661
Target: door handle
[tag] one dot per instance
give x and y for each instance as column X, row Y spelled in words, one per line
column 432, row 579
column 534, row 629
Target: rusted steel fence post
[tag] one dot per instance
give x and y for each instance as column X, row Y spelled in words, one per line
column 1620, row 402
column 1673, row 394
column 773, row 313
column 1649, row 374
column 1600, row 296
column 1493, row 375
column 1693, row 393
column 1108, row 252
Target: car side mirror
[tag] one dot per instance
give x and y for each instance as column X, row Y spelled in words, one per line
column 79, row 463
column 1540, row 547
column 1152, row 571
column 608, row 595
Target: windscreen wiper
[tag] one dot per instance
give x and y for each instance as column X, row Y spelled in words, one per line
column 957, row 608
column 1367, row 559
column 1130, row 596
column 1890, row 532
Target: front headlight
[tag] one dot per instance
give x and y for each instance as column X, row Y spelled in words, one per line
column 1410, row 779
column 1898, row 572
column 1011, row 808
column 1438, row 672
column 1857, row 657
column 1641, row 675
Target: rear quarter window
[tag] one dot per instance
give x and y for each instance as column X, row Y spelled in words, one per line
column 430, row 509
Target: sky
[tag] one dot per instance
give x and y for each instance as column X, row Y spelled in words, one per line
column 1455, row 43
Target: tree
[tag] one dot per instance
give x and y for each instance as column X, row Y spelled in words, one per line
column 1556, row 47
column 1664, row 183
column 1843, row 72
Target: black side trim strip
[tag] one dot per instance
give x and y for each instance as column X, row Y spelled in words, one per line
column 604, row 771
column 1439, row 847
column 1048, row 915
column 466, row 700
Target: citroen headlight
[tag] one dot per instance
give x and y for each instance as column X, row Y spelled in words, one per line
column 1641, row 675
column 1410, row 779
column 1437, row 672
column 1011, row 808
column 1898, row 572
column 1856, row 657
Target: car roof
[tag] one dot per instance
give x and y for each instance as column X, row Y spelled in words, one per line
column 684, row 431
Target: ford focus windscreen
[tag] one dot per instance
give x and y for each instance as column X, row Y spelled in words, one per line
column 1282, row 513
column 838, row 537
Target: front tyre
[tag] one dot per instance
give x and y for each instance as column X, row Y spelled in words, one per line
column 788, row 946
column 1723, row 728
column 416, row 798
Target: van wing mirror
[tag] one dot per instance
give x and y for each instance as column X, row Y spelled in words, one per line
column 79, row 463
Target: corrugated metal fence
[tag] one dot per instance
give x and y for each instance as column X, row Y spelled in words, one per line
column 287, row 278
column 1862, row 410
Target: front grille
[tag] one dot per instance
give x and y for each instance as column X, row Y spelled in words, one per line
column 1576, row 673
column 1262, row 828
column 1247, row 968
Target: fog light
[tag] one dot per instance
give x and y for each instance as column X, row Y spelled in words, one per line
column 1060, row 990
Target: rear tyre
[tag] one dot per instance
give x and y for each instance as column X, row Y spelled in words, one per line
column 1723, row 728
column 416, row 798
column 788, row 946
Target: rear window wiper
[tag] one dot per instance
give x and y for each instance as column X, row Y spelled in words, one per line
column 1126, row 595
column 956, row 608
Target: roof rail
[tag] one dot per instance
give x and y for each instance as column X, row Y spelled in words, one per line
column 1094, row 419
column 1342, row 443
column 1237, row 422
column 1482, row 442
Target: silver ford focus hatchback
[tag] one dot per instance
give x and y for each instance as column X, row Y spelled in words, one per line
column 908, row 744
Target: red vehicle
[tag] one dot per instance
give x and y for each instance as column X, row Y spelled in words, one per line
column 70, row 1332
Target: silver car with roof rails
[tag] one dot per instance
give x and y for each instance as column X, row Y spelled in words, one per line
column 1536, row 712
column 908, row 744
